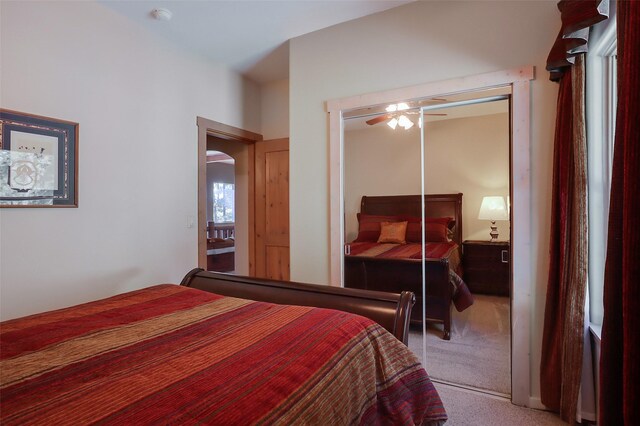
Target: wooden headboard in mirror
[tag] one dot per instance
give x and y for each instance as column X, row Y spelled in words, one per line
column 436, row 205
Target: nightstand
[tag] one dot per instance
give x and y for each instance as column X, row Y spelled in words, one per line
column 486, row 266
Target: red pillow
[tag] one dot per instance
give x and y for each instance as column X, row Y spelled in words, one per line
column 436, row 233
column 369, row 226
column 414, row 229
column 436, row 229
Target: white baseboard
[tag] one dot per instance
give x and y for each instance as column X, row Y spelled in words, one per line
column 536, row 403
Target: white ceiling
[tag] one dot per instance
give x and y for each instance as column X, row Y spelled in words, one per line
column 249, row 36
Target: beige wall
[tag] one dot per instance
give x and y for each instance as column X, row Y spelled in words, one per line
column 468, row 155
column 274, row 103
column 413, row 44
column 136, row 97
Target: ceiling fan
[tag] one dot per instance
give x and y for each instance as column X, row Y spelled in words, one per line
column 397, row 117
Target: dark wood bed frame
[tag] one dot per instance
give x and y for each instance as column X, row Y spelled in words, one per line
column 391, row 310
column 396, row 275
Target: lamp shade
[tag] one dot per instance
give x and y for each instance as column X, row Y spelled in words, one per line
column 493, row 208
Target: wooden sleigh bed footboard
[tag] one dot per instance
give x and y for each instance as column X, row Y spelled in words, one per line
column 398, row 275
column 392, row 311
column 171, row 354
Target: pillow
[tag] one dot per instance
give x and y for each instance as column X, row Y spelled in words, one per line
column 436, row 233
column 439, row 229
column 446, row 221
column 414, row 229
column 369, row 226
column 393, row 232
column 435, row 229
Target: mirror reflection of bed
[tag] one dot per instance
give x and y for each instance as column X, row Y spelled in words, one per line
column 375, row 262
column 466, row 155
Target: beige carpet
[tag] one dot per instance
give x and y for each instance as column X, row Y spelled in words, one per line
column 467, row 408
column 478, row 354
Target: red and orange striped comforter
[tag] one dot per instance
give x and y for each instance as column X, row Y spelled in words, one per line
column 409, row 251
column 174, row 355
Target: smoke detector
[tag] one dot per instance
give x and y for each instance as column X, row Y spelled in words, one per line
column 161, row 14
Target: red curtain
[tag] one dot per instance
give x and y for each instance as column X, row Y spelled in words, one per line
column 620, row 357
column 562, row 340
column 550, row 364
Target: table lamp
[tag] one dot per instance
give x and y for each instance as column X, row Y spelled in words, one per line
column 493, row 208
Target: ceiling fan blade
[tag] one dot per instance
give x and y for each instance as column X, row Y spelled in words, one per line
column 378, row 119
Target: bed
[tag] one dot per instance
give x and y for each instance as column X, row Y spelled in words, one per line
column 397, row 266
column 184, row 354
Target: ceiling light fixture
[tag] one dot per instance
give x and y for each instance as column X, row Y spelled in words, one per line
column 402, row 120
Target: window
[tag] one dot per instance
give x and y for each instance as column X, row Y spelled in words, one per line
column 601, row 118
column 223, row 202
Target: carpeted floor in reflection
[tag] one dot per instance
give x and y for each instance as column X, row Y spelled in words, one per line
column 478, row 353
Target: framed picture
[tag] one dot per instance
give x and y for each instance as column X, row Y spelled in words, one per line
column 38, row 161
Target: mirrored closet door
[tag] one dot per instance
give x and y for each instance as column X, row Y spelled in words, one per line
column 415, row 176
column 466, row 165
column 383, row 205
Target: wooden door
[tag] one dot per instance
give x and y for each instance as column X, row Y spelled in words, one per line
column 272, row 209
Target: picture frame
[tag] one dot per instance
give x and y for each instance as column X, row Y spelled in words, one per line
column 38, row 161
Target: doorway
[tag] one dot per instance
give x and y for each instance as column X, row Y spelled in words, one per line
column 221, row 206
column 240, row 145
column 261, row 207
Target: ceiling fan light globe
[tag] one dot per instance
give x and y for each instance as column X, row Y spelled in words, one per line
column 393, row 123
column 402, row 106
column 391, row 108
column 404, row 121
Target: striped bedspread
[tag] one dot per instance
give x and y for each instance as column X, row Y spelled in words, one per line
column 174, row 355
column 462, row 297
column 411, row 251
